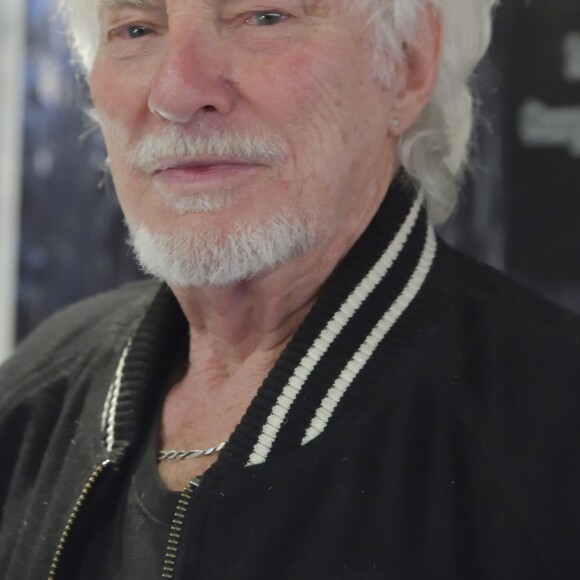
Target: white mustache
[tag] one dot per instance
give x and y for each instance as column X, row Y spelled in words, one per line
column 172, row 143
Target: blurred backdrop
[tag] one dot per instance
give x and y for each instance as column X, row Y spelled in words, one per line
column 520, row 211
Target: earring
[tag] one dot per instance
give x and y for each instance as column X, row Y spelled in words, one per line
column 396, row 123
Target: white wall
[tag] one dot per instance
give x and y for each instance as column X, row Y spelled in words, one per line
column 12, row 55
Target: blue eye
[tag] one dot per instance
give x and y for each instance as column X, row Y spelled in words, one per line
column 137, row 31
column 267, row 18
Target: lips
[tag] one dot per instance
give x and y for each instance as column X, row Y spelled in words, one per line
column 199, row 165
column 202, row 170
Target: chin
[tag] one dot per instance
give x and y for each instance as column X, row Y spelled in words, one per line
column 187, row 257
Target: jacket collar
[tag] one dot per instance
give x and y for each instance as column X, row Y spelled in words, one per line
column 366, row 304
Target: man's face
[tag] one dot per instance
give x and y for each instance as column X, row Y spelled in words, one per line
column 220, row 114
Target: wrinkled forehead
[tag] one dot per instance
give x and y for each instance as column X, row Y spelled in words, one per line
column 312, row 6
column 83, row 18
column 103, row 4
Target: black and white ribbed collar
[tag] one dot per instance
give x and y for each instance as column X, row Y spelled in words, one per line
column 366, row 303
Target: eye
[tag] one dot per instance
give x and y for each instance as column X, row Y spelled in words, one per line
column 130, row 32
column 267, row 18
column 136, row 31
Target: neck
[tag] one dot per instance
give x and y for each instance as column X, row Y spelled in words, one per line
column 237, row 333
column 253, row 318
column 248, row 324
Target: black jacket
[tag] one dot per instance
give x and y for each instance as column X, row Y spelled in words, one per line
column 424, row 422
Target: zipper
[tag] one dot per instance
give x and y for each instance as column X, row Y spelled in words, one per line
column 73, row 517
column 177, row 529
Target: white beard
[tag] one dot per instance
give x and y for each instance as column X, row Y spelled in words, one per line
column 192, row 258
column 199, row 202
column 187, row 258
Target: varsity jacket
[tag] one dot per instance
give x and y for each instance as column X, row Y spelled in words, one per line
column 423, row 422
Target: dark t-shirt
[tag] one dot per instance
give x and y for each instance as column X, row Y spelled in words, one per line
column 129, row 540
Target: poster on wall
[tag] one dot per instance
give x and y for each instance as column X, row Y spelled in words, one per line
column 540, row 64
column 521, row 209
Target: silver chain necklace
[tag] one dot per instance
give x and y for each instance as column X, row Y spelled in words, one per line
column 193, row 454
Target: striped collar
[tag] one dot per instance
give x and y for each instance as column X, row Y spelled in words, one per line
column 366, row 304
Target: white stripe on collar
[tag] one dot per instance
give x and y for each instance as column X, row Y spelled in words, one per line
column 110, row 409
column 377, row 334
column 329, row 334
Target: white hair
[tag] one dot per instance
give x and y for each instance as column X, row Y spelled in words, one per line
column 434, row 152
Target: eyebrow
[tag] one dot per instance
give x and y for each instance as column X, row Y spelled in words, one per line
column 308, row 5
column 127, row 4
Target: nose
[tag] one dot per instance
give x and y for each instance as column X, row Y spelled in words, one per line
column 192, row 77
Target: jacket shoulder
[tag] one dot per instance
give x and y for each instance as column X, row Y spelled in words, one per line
column 488, row 294
column 96, row 327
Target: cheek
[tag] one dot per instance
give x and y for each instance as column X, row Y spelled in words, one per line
column 103, row 89
column 301, row 85
column 124, row 102
column 315, row 107
column 127, row 190
column 339, row 96
column 121, row 108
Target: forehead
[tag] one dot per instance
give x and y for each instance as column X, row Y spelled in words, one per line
column 104, row 4
column 312, row 6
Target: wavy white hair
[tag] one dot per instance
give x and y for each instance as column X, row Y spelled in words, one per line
column 434, row 152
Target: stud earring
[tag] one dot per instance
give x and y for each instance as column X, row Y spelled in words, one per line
column 396, row 123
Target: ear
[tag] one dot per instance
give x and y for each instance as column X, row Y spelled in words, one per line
column 418, row 74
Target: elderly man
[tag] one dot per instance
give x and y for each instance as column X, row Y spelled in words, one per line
column 316, row 388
